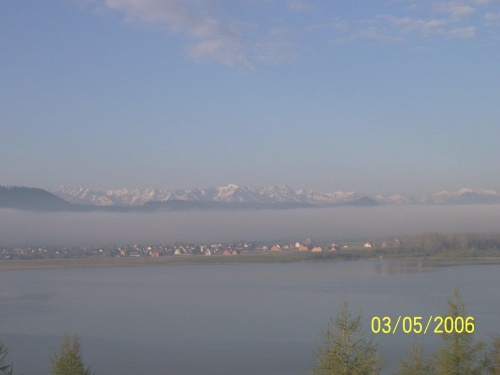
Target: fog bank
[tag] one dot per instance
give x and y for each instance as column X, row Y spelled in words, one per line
column 21, row 228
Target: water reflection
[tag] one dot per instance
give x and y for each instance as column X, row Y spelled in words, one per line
column 246, row 319
column 397, row 267
column 412, row 266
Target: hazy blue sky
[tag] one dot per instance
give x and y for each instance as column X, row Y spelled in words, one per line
column 382, row 96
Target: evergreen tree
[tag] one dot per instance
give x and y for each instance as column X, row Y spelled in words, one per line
column 460, row 354
column 494, row 356
column 68, row 361
column 345, row 349
column 5, row 368
column 415, row 364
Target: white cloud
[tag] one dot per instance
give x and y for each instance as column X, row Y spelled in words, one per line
column 387, row 28
column 460, row 11
column 212, row 31
column 422, row 20
column 464, row 32
column 299, row 6
column 426, row 27
column 210, row 34
column 371, row 33
column 276, row 47
column 455, row 10
column 491, row 19
column 224, row 50
column 431, row 19
column 433, row 27
column 492, row 16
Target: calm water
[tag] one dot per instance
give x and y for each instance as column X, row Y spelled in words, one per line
column 238, row 319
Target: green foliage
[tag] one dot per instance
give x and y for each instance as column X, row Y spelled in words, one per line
column 68, row 361
column 415, row 364
column 5, row 368
column 452, row 244
column 460, row 355
column 494, row 356
column 345, row 349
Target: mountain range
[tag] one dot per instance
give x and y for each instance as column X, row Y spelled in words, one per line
column 218, row 198
column 274, row 194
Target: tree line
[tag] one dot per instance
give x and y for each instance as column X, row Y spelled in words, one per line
column 348, row 350
column 345, row 349
column 67, row 361
column 460, row 244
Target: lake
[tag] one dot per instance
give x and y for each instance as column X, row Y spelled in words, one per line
column 233, row 319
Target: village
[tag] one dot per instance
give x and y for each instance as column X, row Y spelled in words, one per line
column 180, row 249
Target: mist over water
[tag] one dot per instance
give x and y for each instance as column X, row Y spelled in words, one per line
column 20, row 228
column 254, row 319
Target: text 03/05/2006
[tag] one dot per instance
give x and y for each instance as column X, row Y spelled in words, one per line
column 415, row 325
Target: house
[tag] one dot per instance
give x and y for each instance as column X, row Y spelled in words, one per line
column 180, row 251
column 367, row 244
column 317, row 249
column 276, row 248
column 334, row 247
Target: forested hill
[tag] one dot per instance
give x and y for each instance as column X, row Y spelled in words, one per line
column 25, row 198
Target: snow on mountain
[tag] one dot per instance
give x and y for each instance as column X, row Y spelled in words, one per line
column 462, row 196
column 311, row 196
column 281, row 193
column 229, row 193
column 119, row 197
column 135, row 197
column 83, row 195
column 394, row 199
column 273, row 194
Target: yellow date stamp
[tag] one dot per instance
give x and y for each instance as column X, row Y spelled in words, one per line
column 416, row 324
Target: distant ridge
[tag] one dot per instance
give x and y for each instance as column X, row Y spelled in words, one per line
column 364, row 202
column 274, row 194
column 228, row 197
column 230, row 193
column 179, row 205
column 25, row 198
column 462, row 196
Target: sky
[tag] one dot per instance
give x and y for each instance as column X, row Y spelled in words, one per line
column 379, row 97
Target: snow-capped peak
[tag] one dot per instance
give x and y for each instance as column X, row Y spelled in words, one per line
column 272, row 194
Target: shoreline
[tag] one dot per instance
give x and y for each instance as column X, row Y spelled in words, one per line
column 160, row 261
column 261, row 258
